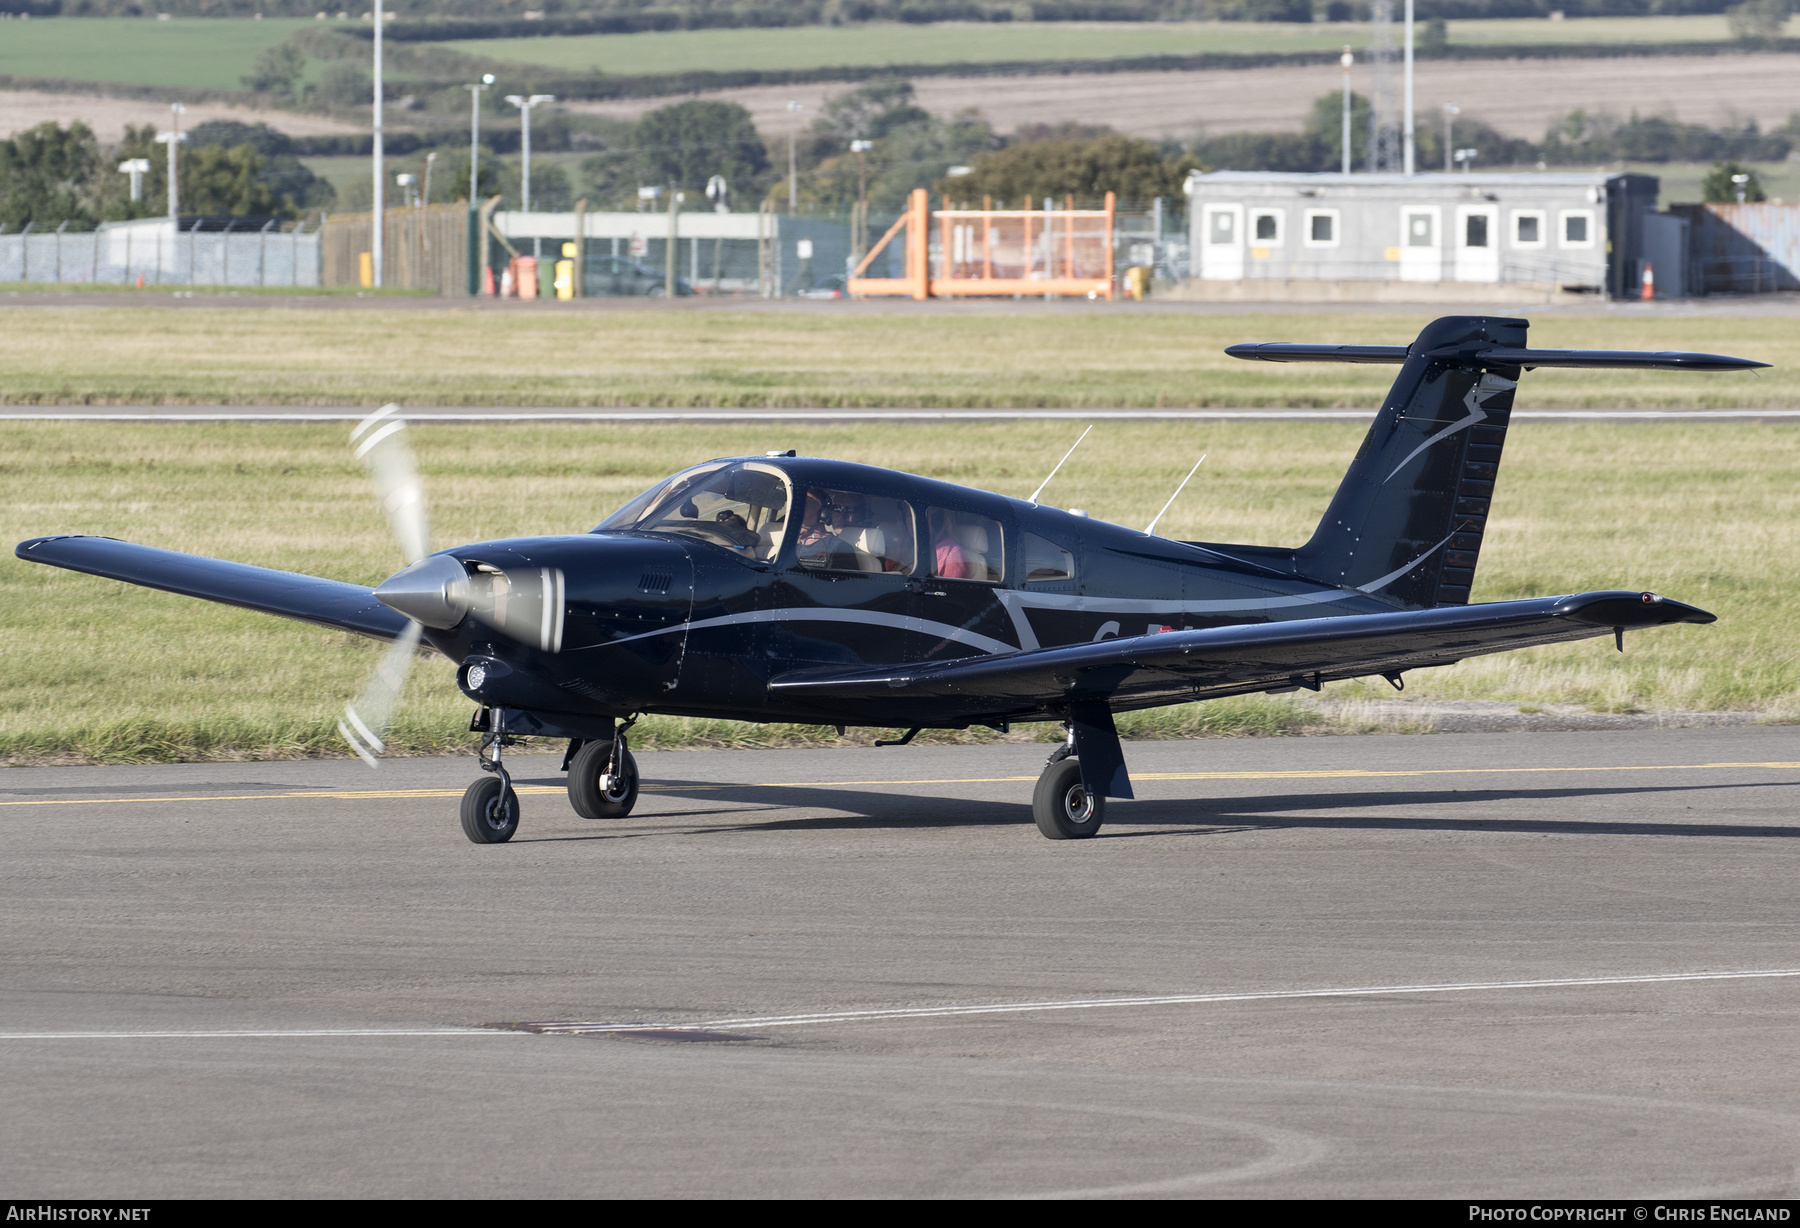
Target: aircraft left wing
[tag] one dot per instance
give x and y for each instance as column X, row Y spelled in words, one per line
column 313, row 599
column 1175, row 666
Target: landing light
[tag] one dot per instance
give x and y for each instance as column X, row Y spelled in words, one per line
column 477, row 676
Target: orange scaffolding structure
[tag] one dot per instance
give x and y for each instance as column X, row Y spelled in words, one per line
column 995, row 252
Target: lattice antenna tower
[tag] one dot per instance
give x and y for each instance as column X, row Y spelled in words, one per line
column 1385, row 152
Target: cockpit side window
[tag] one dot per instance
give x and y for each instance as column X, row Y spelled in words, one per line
column 742, row 507
column 846, row 530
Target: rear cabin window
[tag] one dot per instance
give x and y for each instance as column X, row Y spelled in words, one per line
column 846, row 530
column 965, row 546
column 1046, row 562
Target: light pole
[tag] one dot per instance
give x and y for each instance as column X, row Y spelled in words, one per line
column 859, row 230
column 137, row 168
column 525, row 103
column 1347, row 60
column 719, row 193
column 173, row 137
column 793, row 172
column 378, row 216
column 1451, row 111
column 1408, row 118
column 487, row 79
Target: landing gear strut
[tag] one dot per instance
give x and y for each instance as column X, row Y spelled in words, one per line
column 1062, row 806
column 490, row 807
column 603, row 777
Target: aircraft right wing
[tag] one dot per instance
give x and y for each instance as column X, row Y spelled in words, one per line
column 1175, row 666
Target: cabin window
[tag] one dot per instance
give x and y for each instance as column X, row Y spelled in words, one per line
column 1046, row 562
column 742, row 507
column 1419, row 230
column 1224, row 227
column 1321, row 228
column 1265, row 225
column 965, row 546
column 1475, row 230
column 846, row 530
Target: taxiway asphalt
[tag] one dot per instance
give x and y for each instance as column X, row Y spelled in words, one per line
column 1450, row 965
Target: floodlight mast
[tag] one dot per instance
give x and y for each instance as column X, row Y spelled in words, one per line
column 379, row 216
column 137, row 168
column 173, row 137
column 1407, row 118
column 475, row 91
column 525, row 103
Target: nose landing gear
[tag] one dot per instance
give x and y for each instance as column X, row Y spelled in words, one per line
column 490, row 807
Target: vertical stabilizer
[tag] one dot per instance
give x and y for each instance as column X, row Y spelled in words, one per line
column 1407, row 521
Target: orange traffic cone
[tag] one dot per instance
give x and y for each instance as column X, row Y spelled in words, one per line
column 1649, row 290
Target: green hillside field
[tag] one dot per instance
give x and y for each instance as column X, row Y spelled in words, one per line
column 213, row 53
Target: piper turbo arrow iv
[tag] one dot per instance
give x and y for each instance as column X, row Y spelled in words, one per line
column 788, row 588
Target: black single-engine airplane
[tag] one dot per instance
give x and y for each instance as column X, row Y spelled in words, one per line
column 787, row 588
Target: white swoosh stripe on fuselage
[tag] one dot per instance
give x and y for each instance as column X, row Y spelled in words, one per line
column 874, row 618
column 1019, row 605
column 1015, row 604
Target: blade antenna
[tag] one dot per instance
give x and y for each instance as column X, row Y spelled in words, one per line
column 1059, row 465
column 1177, row 494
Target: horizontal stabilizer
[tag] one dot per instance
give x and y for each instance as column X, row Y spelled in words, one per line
column 1496, row 356
column 330, row 603
column 1144, row 671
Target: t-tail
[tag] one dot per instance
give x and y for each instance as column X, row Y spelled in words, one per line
column 1408, row 520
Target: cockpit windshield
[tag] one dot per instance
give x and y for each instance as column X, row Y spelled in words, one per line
column 742, row 506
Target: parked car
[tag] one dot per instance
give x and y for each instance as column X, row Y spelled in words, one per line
column 617, row 275
column 835, row 286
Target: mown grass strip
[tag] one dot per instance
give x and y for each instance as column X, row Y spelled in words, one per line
column 866, row 355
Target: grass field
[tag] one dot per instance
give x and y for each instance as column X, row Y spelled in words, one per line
column 822, row 46
column 202, row 53
column 861, row 355
column 213, row 53
column 1706, row 512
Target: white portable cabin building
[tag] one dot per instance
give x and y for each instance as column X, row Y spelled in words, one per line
column 1446, row 237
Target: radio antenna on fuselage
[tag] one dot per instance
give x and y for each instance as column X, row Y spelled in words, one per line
column 1059, row 465
column 1178, row 490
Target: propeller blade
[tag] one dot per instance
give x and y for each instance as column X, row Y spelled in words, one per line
column 367, row 718
column 381, row 444
column 525, row 603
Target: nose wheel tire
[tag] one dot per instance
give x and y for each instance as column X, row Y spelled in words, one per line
column 1063, row 809
column 484, row 819
column 594, row 799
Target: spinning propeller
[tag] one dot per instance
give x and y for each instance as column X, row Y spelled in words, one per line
column 525, row 604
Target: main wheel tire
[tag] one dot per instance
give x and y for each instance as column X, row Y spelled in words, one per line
column 586, row 795
column 1063, row 809
column 484, row 820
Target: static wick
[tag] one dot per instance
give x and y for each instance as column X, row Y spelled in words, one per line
column 1059, row 465
column 1177, row 494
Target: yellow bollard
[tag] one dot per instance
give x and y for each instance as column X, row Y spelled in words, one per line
column 366, row 266
column 565, row 279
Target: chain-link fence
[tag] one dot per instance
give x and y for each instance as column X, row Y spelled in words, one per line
column 157, row 253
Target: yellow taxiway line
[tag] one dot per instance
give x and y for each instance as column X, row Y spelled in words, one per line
column 357, row 795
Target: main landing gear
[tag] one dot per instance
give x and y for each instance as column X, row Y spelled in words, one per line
column 1061, row 804
column 603, row 777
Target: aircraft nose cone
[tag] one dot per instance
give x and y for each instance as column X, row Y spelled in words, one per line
column 433, row 591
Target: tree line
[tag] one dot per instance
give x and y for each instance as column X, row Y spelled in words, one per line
column 51, row 175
